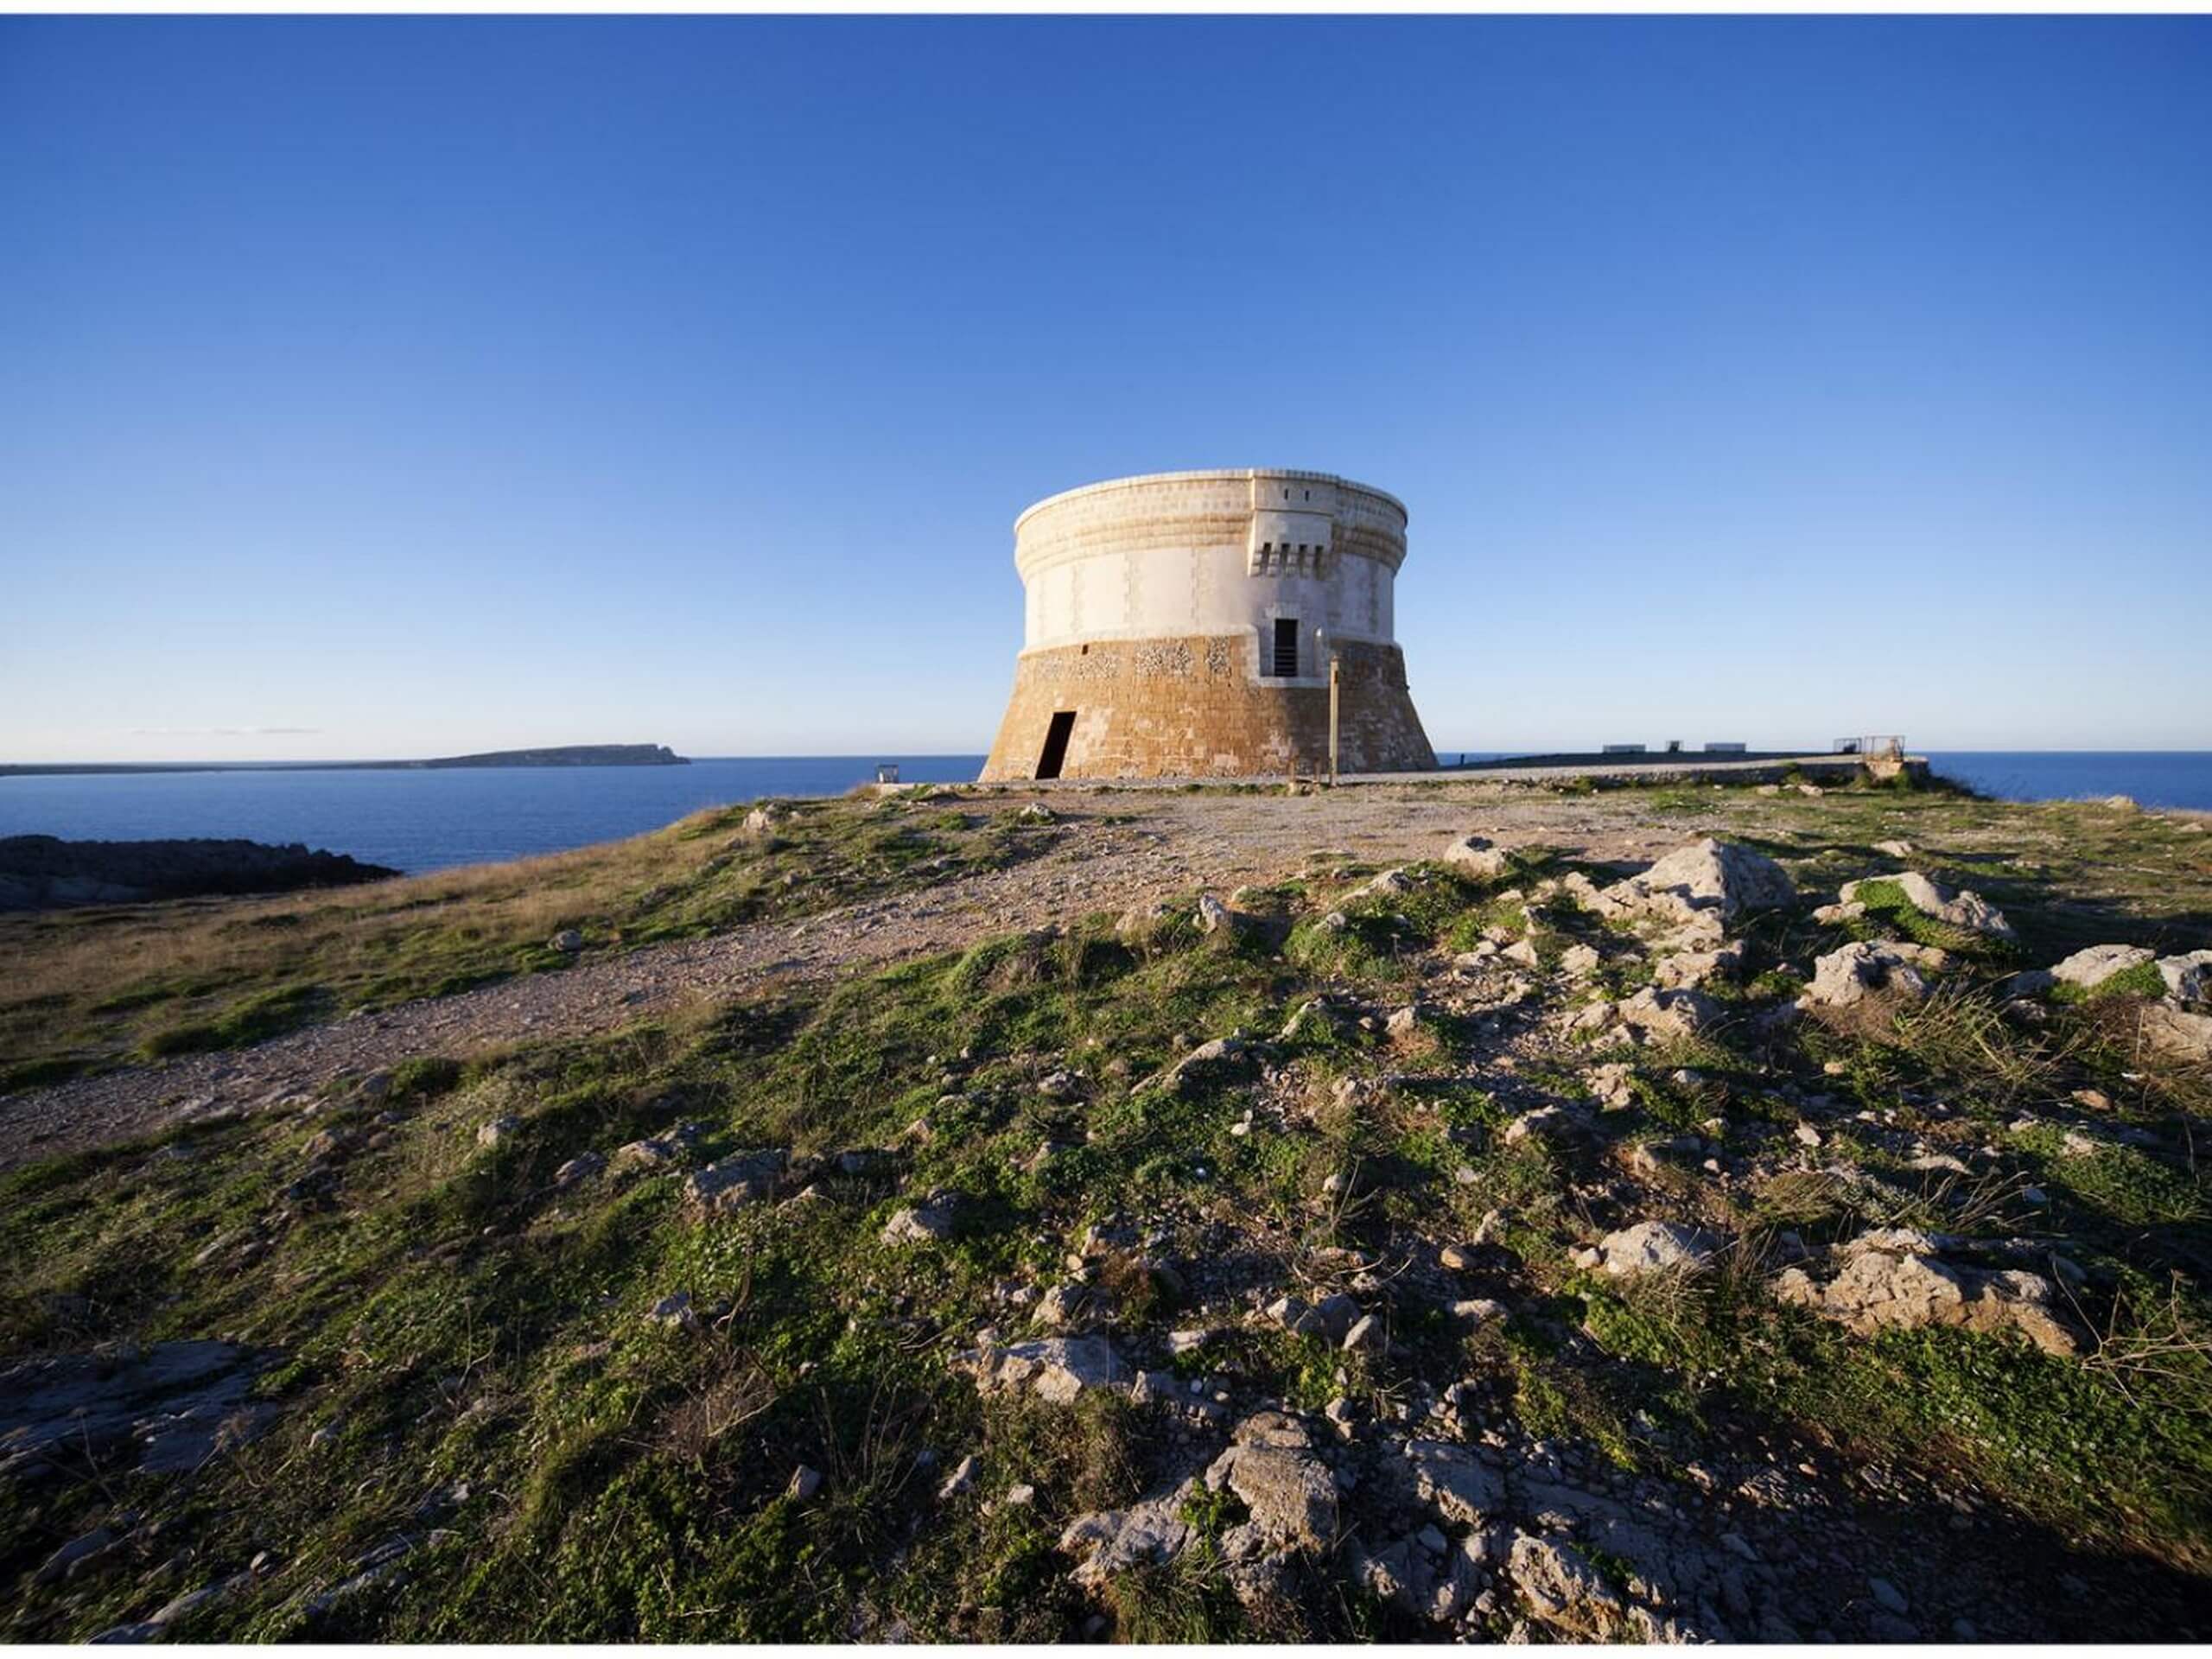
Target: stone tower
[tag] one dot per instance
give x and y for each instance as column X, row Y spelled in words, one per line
column 1182, row 625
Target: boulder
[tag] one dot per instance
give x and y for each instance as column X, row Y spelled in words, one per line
column 2188, row 977
column 1728, row 881
column 1290, row 1492
column 1477, row 857
column 1295, row 1315
column 1893, row 1279
column 1655, row 1013
column 2091, row 968
column 1366, row 1336
column 1552, row 1125
column 1054, row 1369
column 960, row 1481
column 675, row 1312
column 1140, row 923
column 657, row 1152
column 1462, row 1484
column 1062, row 1305
column 2176, row 1031
column 1691, row 969
column 934, row 1219
column 581, row 1167
column 1223, row 1057
column 1958, row 908
column 1870, row 967
column 1560, row 1586
column 1651, row 1246
column 1214, row 916
column 1107, row 1542
column 730, row 1184
column 499, row 1131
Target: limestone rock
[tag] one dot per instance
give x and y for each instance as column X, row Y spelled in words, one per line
column 2175, row 1031
column 1561, row 1588
column 654, row 1153
column 581, row 1167
column 1062, row 1305
column 2091, row 968
column 1214, row 916
column 1892, row 1279
column 1224, row 1056
column 960, row 1481
column 730, row 1184
column 1871, row 966
column 1959, row 908
column 1366, row 1336
column 935, row 1218
column 1390, row 883
column 1295, row 1315
column 499, row 1131
column 1651, row 1246
column 1710, row 879
column 657, row 1152
column 1460, row 1483
column 1692, row 969
column 1579, row 961
column 1550, row 1124
column 1477, row 856
column 675, row 1312
column 1140, row 923
column 1661, row 1014
column 1109, row 1542
column 1054, row 1369
column 1289, row 1491
column 2188, row 977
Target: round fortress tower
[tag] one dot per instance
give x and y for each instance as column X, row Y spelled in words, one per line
column 1183, row 623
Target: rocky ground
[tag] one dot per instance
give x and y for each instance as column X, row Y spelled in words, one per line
column 1442, row 1212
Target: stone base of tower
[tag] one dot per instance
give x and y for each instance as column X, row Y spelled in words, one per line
column 1191, row 708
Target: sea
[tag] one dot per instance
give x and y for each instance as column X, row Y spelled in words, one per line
column 429, row 820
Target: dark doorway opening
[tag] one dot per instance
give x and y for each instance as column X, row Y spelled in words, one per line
column 1286, row 648
column 1055, row 744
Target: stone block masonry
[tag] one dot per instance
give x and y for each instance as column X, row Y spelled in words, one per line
column 1182, row 625
column 1192, row 708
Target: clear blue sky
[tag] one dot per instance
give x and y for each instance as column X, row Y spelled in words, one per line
column 431, row 385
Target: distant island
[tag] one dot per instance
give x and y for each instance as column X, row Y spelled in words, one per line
column 572, row 754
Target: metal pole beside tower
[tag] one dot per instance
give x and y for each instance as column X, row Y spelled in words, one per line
column 1332, row 718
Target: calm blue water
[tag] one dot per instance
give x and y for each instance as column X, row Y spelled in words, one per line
column 2167, row 777
column 429, row 820
column 418, row 821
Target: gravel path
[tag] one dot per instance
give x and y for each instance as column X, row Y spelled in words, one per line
column 1114, row 850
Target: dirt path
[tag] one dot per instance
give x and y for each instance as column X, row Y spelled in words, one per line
column 1112, row 850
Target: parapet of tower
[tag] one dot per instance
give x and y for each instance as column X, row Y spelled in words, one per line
column 1183, row 623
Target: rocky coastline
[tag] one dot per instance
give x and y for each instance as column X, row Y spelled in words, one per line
column 46, row 873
